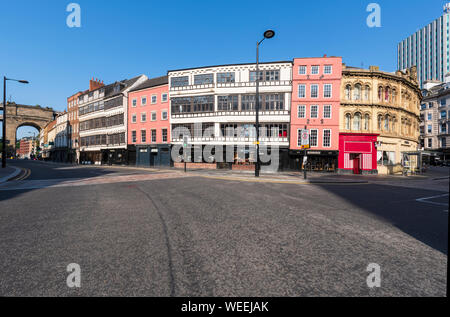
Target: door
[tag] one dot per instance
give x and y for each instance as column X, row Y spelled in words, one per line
column 356, row 162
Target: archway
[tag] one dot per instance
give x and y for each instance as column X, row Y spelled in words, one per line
column 23, row 115
column 27, row 140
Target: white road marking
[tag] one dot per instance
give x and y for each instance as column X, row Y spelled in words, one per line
column 426, row 200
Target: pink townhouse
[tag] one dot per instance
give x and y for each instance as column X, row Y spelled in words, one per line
column 149, row 122
column 315, row 106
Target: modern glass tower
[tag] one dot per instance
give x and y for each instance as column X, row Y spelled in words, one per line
column 428, row 49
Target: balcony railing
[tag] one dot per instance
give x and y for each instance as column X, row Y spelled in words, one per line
column 234, row 85
column 233, row 139
column 221, row 113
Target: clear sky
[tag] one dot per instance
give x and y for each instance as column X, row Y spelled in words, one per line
column 120, row 39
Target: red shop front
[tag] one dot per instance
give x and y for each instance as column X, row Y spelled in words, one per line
column 357, row 153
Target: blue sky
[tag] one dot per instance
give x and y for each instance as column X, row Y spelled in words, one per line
column 123, row 38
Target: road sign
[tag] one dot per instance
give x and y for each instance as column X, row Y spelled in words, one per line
column 305, row 137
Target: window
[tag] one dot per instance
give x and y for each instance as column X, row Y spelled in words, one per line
column 225, row 77
column 164, row 115
column 133, row 136
column 267, row 75
column 248, row 102
column 143, row 101
column 385, row 158
column 357, row 121
column 366, row 122
column 443, row 102
column 443, row 143
column 380, row 122
column 328, row 69
column 301, row 111
column 143, row 117
column 134, row 102
column 357, row 92
column 313, row 137
column 348, row 90
column 253, row 76
column 443, row 128
column 326, row 138
column 347, row 121
column 443, row 114
column 301, row 91
column 203, row 103
column 314, row 91
column 272, row 75
column 179, row 81
column 314, row 111
column 153, row 136
column 143, row 136
column 327, row 111
column 164, row 97
column 154, row 99
column 228, row 103
column 314, row 70
column 133, row 118
column 386, row 123
column 430, row 143
column 302, row 70
column 327, row 91
column 154, row 116
column 203, row 79
column 164, row 135
column 429, row 128
column 429, row 116
column 274, row 102
column 366, row 93
column 299, row 137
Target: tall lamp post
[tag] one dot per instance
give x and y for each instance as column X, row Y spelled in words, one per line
column 267, row 35
column 4, row 117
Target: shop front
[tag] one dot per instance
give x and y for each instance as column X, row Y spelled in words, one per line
column 153, row 155
column 357, row 153
column 318, row 161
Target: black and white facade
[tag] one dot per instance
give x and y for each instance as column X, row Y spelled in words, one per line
column 221, row 100
column 103, row 123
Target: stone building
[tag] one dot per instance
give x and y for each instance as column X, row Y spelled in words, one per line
column 434, row 114
column 382, row 104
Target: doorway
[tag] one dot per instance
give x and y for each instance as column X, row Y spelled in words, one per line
column 356, row 158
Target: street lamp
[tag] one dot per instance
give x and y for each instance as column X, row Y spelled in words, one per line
column 4, row 117
column 267, row 35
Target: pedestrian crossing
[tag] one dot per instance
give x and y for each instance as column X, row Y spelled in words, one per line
column 54, row 183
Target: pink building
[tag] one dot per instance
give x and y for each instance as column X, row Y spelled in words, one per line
column 315, row 106
column 148, row 122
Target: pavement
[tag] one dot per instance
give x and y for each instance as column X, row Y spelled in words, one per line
column 147, row 232
column 8, row 173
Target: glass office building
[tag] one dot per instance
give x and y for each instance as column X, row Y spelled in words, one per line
column 428, row 49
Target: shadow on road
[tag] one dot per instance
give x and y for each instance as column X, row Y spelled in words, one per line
column 427, row 223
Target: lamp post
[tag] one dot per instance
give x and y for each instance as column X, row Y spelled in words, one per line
column 4, row 117
column 267, row 35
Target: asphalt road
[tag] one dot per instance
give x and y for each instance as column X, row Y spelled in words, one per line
column 195, row 236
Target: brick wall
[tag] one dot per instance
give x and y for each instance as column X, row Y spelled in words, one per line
column 211, row 166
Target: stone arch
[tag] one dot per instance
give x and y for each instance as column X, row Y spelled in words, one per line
column 23, row 115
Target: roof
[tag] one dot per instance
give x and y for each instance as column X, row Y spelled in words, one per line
column 124, row 84
column 152, row 82
column 261, row 63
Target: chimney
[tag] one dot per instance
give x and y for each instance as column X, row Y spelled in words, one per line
column 95, row 84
